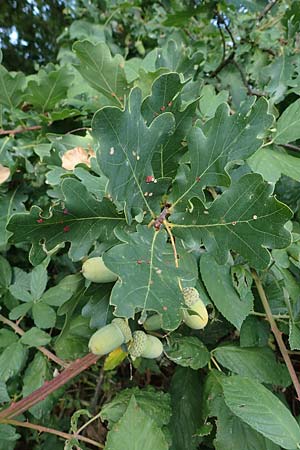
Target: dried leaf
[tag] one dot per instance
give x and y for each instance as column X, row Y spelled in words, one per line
column 4, row 173
column 76, row 155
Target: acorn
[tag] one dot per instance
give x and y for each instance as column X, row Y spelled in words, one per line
column 153, row 323
column 145, row 346
column 196, row 317
column 110, row 337
column 94, row 269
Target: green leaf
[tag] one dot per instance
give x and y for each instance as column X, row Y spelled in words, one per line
column 36, row 374
column 11, row 88
column 35, row 337
column 86, row 221
column 38, row 280
column 48, row 88
column 10, row 204
column 4, row 397
column 288, row 124
column 258, row 363
column 272, row 162
column 125, row 147
column 254, row 332
column 8, row 433
column 101, row 71
column 136, row 430
column 156, row 404
column 259, row 408
column 43, row 315
column 5, row 273
column 97, row 308
column 7, row 337
column 185, row 393
column 218, row 282
column 210, row 101
column 187, row 351
column 222, row 140
column 63, row 291
column 12, row 361
column 245, row 218
column 148, row 276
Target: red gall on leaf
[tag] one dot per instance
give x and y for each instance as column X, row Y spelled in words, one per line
column 66, row 229
column 40, row 221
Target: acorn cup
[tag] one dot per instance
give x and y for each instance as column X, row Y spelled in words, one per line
column 196, row 317
column 110, row 337
column 145, row 346
column 94, row 269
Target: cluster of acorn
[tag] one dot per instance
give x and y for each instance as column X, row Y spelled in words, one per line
column 139, row 344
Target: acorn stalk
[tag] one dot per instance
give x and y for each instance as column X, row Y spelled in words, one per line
column 110, row 337
column 94, row 269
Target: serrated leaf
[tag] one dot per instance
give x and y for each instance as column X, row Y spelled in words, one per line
column 185, row 393
column 187, row 351
column 11, row 88
column 5, row 273
column 102, row 71
column 245, row 218
column 81, row 222
column 222, row 140
column 258, row 363
column 136, row 430
column 36, row 374
column 48, row 88
column 148, row 276
column 254, row 332
column 38, row 280
column 272, row 162
column 262, row 410
column 12, row 360
column 156, row 404
column 4, row 397
column 125, row 147
column 8, row 433
column 218, row 282
column 43, row 315
column 35, row 337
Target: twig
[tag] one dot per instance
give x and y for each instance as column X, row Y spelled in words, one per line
column 223, row 64
column 46, row 352
column 20, row 130
column 267, row 8
column 97, row 391
column 277, row 333
column 245, row 82
column 290, row 147
column 41, row 429
column 74, row 369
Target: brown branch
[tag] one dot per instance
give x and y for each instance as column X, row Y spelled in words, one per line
column 223, row 64
column 46, row 352
column 245, row 81
column 20, row 130
column 277, row 333
column 41, row 429
column 290, row 147
column 267, row 9
column 74, row 369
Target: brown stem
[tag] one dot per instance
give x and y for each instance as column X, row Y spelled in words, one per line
column 41, row 429
column 74, row 369
column 20, row 130
column 46, row 352
column 277, row 333
column 223, row 64
column 267, row 9
column 290, row 147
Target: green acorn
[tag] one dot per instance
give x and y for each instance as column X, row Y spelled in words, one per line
column 145, row 346
column 153, row 323
column 197, row 318
column 110, row 337
column 94, row 269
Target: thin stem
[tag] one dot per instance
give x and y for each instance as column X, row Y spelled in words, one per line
column 290, row 147
column 166, row 224
column 46, row 352
column 276, row 316
column 267, row 9
column 277, row 333
column 89, row 422
column 215, row 363
column 41, row 429
column 74, row 369
column 20, row 130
